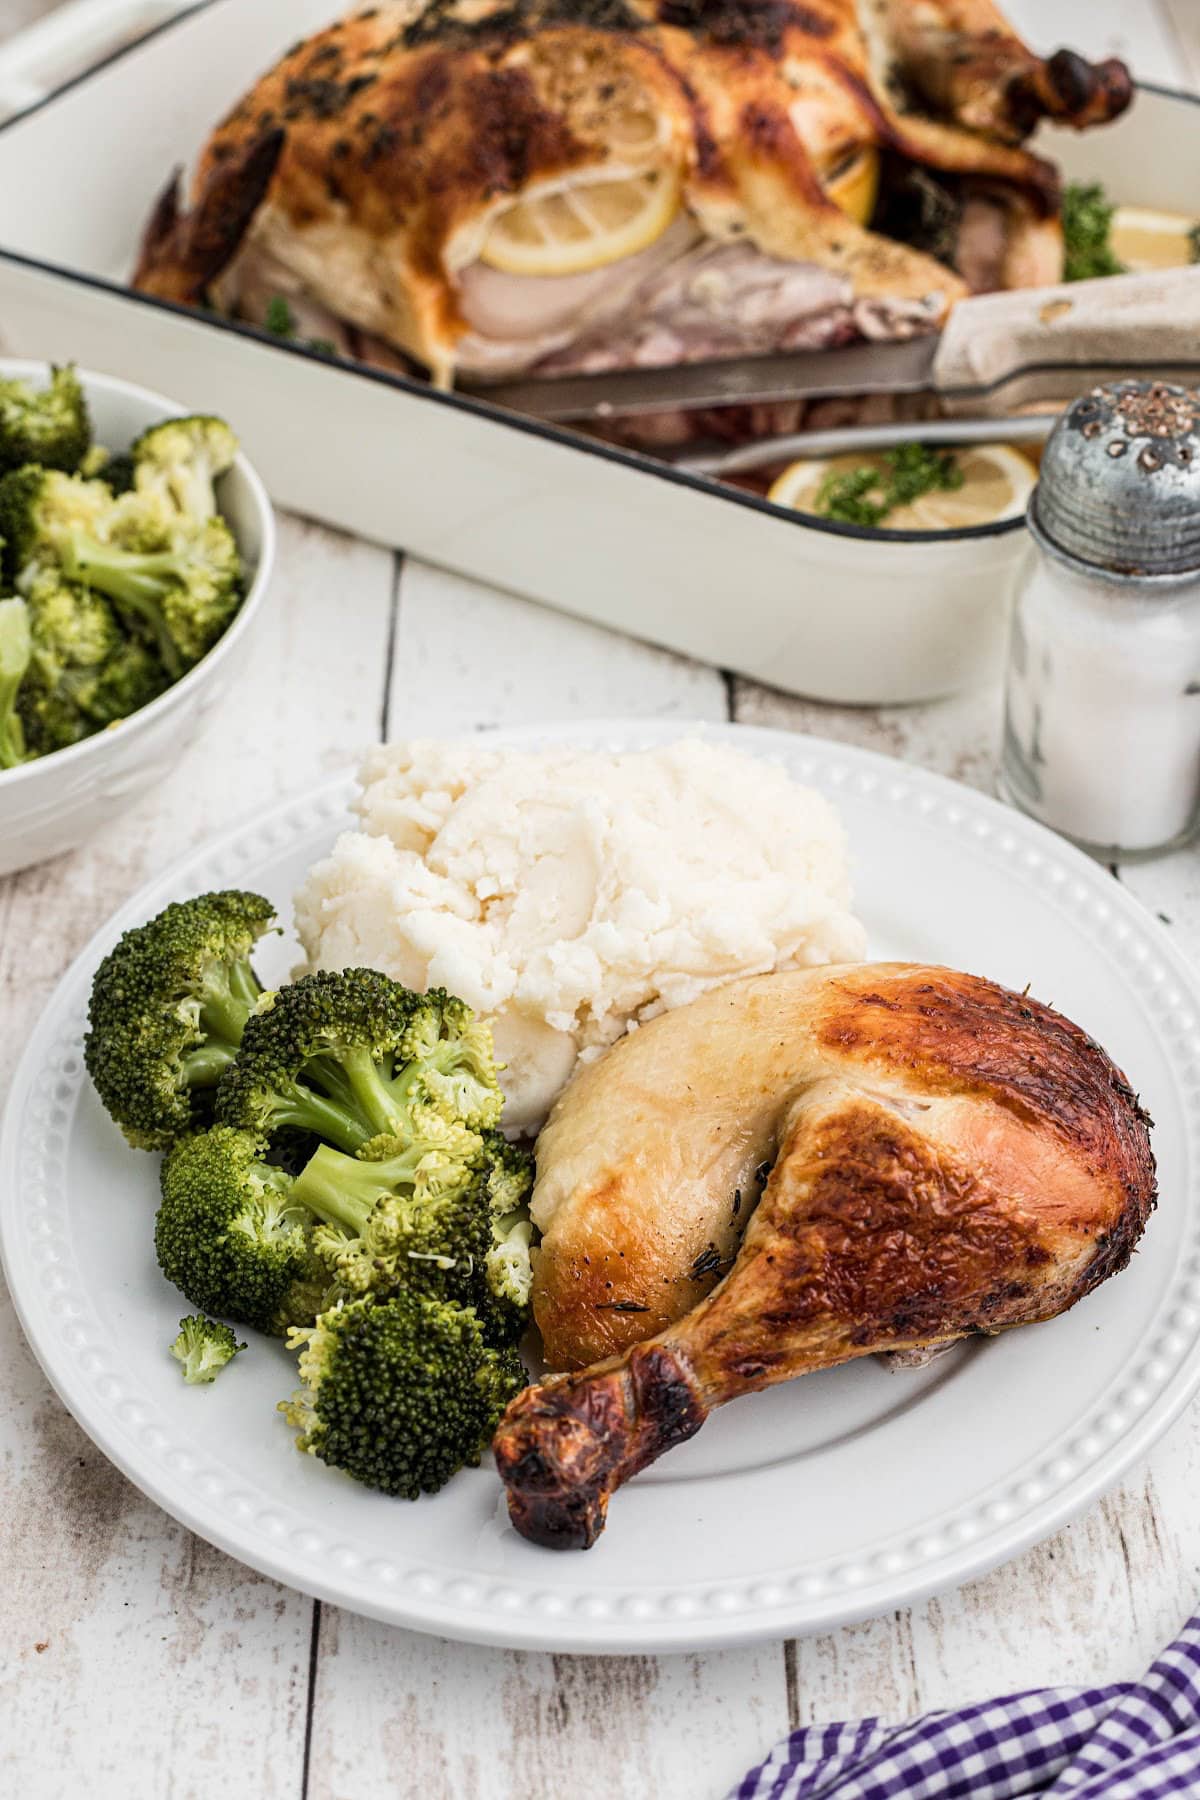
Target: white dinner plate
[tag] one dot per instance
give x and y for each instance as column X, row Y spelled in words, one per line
column 838, row 1497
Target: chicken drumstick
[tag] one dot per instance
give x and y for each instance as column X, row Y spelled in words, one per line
column 951, row 1159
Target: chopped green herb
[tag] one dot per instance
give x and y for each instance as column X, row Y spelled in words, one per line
column 280, row 321
column 1194, row 244
column 279, row 318
column 867, row 495
column 1087, row 217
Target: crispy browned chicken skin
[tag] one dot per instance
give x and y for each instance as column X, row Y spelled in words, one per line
column 366, row 167
column 948, row 1158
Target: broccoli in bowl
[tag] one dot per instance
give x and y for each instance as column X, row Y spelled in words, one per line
column 118, row 572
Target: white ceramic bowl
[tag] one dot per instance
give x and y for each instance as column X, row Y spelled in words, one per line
column 56, row 802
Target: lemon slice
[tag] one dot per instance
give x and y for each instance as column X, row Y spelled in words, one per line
column 997, row 482
column 1142, row 239
column 853, row 185
column 571, row 229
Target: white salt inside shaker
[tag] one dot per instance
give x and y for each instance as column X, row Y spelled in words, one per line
column 1102, row 718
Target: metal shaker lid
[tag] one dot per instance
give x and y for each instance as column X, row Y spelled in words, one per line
column 1120, row 479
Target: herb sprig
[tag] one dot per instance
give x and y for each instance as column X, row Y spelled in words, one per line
column 1087, row 217
column 280, row 321
column 865, row 496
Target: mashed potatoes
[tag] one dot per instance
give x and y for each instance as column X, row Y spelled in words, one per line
column 570, row 894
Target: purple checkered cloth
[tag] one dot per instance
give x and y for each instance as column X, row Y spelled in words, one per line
column 1136, row 1740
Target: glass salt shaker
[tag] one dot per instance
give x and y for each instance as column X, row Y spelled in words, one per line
column 1102, row 705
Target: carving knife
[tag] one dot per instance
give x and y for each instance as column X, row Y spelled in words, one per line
column 995, row 352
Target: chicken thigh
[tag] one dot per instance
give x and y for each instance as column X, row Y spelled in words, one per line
column 946, row 1158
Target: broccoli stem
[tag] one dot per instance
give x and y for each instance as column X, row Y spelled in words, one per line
column 343, row 1191
column 303, row 1107
column 203, row 1068
column 135, row 582
column 223, row 1014
column 373, row 1094
column 228, row 996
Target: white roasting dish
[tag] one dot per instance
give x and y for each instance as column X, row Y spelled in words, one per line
column 621, row 538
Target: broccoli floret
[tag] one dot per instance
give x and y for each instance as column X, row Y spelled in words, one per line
column 117, row 472
column 508, row 1270
column 115, row 469
column 84, row 671
column 452, row 1063
column 40, row 509
column 405, row 1210
column 182, row 594
column 203, row 1347
column 47, row 425
column 94, row 463
column 439, row 1208
column 73, row 634
column 231, row 1237
column 168, row 1008
column 177, row 583
column 16, row 650
column 129, row 680
column 181, row 459
column 399, row 1393
column 351, row 1055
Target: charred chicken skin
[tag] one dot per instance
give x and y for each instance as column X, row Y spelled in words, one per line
column 945, row 1158
column 367, row 175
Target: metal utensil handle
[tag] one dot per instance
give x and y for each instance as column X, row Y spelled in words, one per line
column 72, row 38
column 1011, row 343
column 1029, row 430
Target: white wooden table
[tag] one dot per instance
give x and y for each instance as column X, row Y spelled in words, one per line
column 136, row 1660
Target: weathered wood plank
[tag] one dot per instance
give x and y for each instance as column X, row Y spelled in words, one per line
column 160, row 1654
column 957, row 737
column 468, row 656
column 460, row 1723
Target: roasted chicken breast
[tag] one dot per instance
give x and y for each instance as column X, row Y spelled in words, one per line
column 937, row 1157
column 566, row 184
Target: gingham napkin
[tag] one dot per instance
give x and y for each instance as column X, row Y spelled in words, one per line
column 1135, row 1740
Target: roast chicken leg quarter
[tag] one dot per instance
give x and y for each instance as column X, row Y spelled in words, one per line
column 945, row 1158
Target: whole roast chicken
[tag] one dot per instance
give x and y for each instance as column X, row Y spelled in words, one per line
column 794, row 1171
column 553, row 185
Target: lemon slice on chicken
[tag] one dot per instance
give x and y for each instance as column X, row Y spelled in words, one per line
column 1142, row 239
column 996, row 484
column 583, row 225
column 854, row 183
